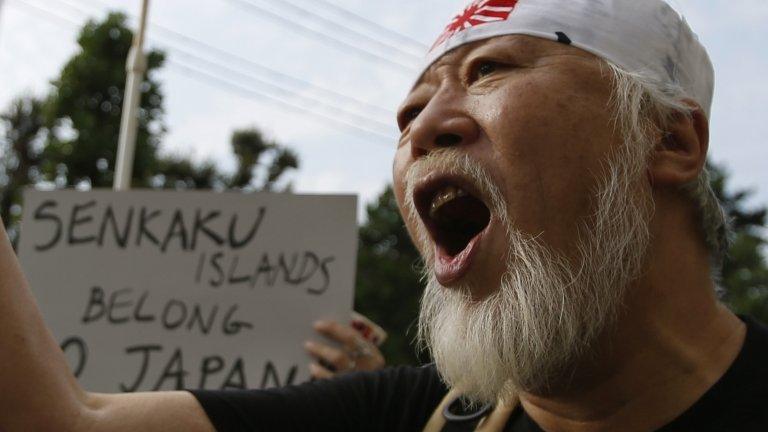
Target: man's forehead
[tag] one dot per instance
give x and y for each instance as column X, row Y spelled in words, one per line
column 452, row 58
column 646, row 37
column 521, row 45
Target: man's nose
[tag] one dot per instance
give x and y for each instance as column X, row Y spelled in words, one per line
column 442, row 123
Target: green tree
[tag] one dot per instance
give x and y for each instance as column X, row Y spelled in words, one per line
column 388, row 280
column 260, row 162
column 745, row 272
column 21, row 148
column 85, row 106
column 69, row 137
column 178, row 172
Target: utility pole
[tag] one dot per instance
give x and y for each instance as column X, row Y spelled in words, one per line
column 135, row 66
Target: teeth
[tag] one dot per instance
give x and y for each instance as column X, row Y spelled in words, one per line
column 444, row 196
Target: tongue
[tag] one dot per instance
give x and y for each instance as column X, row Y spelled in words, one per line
column 450, row 268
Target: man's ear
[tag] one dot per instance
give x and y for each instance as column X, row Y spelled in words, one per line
column 681, row 152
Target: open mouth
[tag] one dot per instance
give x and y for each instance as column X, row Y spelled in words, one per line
column 455, row 217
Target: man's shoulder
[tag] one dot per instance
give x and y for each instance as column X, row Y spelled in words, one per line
column 748, row 375
column 742, row 393
column 426, row 372
column 759, row 328
column 756, row 342
column 738, row 401
column 744, row 396
column 411, row 377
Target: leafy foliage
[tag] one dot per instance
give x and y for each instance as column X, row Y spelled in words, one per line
column 85, row 107
column 388, row 282
column 745, row 272
column 251, row 148
column 69, row 137
column 21, row 148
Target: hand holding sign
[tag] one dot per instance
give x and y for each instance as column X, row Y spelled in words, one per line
column 356, row 350
column 155, row 290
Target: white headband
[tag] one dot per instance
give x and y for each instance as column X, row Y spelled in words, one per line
column 645, row 37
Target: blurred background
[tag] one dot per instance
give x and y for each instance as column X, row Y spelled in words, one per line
column 300, row 95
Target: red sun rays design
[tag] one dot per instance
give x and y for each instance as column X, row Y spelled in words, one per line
column 479, row 12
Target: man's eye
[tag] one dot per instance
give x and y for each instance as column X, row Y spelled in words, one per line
column 484, row 69
column 408, row 116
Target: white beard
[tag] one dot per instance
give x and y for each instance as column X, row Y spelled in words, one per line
column 548, row 311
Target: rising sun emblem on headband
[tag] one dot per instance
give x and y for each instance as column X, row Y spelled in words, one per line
column 478, row 12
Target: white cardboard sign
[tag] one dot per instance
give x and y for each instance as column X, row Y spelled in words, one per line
column 150, row 290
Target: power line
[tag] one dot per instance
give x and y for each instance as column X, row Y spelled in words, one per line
column 229, row 85
column 275, row 74
column 230, row 71
column 267, row 71
column 253, row 94
column 337, row 25
column 48, row 14
column 281, row 90
column 421, row 47
column 339, row 43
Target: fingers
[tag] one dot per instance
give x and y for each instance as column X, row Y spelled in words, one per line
column 340, row 333
column 319, row 372
column 331, row 356
column 372, row 362
column 353, row 352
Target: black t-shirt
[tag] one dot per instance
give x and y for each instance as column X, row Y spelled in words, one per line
column 403, row 398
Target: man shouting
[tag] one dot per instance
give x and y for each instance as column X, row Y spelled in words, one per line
column 551, row 172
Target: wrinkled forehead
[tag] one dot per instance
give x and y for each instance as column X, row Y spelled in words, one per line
column 521, row 47
column 644, row 37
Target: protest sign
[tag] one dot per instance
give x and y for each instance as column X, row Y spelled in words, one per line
column 150, row 290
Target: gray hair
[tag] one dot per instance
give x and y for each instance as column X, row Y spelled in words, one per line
column 644, row 106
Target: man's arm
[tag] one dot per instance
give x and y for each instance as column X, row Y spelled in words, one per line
column 38, row 392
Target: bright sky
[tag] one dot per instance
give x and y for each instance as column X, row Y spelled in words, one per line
column 37, row 36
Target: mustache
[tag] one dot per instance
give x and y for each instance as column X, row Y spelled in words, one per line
column 452, row 161
column 449, row 161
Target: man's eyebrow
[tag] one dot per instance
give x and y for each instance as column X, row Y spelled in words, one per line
column 450, row 57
